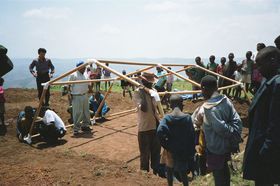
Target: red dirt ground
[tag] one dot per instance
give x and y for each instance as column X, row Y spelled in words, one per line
column 109, row 156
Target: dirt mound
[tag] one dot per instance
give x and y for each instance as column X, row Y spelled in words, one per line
column 109, row 156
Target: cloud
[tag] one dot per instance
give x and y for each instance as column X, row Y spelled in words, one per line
column 48, row 13
column 109, row 29
column 162, row 6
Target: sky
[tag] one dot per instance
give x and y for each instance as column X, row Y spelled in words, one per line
column 137, row 28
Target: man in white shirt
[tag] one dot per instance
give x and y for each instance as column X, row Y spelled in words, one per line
column 52, row 126
column 79, row 99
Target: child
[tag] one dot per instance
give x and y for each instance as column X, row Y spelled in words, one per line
column 222, row 128
column 237, row 77
column 2, row 106
column 176, row 134
column 107, row 75
column 125, row 86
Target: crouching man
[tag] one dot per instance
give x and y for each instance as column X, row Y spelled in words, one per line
column 52, row 126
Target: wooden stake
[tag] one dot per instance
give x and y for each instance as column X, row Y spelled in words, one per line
column 103, row 100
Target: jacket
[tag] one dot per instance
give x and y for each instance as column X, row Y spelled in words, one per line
column 176, row 134
column 219, row 124
column 262, row 153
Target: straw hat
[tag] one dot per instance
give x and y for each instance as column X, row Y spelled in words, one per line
column 148, row 76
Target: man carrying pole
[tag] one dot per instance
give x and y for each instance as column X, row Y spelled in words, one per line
column 148, row 121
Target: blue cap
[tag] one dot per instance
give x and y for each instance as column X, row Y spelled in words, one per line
column 79, row 63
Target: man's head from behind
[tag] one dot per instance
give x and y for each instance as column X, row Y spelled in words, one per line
column 260, row 46
column 208, row 86
column 29, row 112
column 277, row 42
column 268, row 61
column 176, row 101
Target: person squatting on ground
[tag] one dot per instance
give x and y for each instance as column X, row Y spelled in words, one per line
column 148, row 120
column 95, row 101
column 107, row 75
column 24, row 121
column 176, row 134
column 222, row 128
column 125, row 86
column 261, row 158
column 79, row 97
column 3, row 128
column 43, row 66
column 52, row 126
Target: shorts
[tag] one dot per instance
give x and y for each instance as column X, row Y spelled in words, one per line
column 2, row 108
column 246, row 78
column 107, row 77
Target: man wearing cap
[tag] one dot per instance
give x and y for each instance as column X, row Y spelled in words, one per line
column 42, row 74
column 261, row 157
column 148, row 118
column 79, row 99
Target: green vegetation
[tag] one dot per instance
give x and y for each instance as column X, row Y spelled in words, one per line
column 236, row 176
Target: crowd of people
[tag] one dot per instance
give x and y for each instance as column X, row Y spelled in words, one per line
column 199, row 143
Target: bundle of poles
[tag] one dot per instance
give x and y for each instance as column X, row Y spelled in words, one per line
column 101, row 63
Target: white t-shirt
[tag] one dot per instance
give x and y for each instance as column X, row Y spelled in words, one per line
column 80, row 88
column 155, row 95
column 237, row 76
column 51, row 116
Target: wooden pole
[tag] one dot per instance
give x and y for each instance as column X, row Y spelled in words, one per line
column 123, row 112
column 180, row 76
column 101, row 80
column 196, row 91
column 185, row 68
column 135, row 63
column 69, row 72
column 103, row 100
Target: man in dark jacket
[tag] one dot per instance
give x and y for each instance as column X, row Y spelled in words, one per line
column 262, row 153
column 176, row 134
